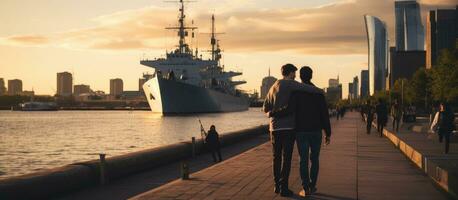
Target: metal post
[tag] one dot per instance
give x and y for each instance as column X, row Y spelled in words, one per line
column 184, row 171
column 102, row 168
column 193, row 143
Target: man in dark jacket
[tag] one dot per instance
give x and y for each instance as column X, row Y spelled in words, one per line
column 213, row 145
column 312, row 116
column 382, row 116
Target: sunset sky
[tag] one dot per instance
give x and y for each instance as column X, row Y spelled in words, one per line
column 101, row 39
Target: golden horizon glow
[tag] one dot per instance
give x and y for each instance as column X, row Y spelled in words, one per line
column 97, row 41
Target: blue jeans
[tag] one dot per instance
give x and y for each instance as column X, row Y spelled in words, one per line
column 309, row 145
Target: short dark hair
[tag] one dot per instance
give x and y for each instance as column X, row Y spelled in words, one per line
column 287, row 69
column 306, row 73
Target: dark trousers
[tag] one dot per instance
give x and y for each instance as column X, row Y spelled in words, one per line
column 396, row 121
column 215, row 150
column 445, row 135
column 369, row 125
column 380, row 125
column 282, row 146
column 309, row 145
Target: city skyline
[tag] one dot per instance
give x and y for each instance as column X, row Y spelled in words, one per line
column 84, row 43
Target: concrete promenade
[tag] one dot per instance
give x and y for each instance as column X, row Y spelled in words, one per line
column 380, row 172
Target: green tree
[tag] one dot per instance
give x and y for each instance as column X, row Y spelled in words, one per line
column 444, row 78
column 420, row 86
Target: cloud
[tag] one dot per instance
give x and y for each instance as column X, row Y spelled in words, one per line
column 336, row 28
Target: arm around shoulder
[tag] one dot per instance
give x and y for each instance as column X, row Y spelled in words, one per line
column 306, row 88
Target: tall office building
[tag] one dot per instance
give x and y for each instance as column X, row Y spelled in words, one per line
column 64, row 84
column 334, row 82
column 377, row 42
column 409, row 29
column 267, row 83
column 351, row 91
column 116, row 87
column 81, row 89
column 334, row 91
column 355, row 87
column 364, row 83
column 2, row 87
column 441, row 33
column 14, row 87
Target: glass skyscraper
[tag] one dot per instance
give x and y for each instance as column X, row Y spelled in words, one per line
column 377, row 42
column 410, row 34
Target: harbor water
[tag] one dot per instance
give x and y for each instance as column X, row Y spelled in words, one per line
column 33, row 141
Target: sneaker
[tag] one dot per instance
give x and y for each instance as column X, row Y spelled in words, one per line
column 286, row 192
column 312, row 190
column 277, row 188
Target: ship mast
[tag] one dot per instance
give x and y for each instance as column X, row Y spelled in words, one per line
column 183, row 48
column 213, row 39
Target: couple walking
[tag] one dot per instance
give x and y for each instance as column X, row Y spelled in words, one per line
column 298, row 112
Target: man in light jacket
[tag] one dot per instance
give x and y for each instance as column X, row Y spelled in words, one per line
column 282, row 127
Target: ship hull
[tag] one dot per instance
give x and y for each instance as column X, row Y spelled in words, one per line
column 172, row 97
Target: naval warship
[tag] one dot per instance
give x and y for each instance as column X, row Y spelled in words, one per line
column 183, row 82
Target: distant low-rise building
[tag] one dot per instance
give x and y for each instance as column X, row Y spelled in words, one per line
column 133, row 96
column 81, row 89
column 14, row 87
column 27, row 93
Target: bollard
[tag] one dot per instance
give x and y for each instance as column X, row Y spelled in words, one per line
column 102, row 168
column 193, row 143
column 184, row 171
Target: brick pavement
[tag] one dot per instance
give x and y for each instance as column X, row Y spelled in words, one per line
column 354, row 166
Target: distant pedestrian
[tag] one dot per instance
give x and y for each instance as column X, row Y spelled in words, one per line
column 369, row 110
column 361, row 111
column 396, row 113
column 382, row 116
column 213, row 144
column 444, row 124
column 281, row 128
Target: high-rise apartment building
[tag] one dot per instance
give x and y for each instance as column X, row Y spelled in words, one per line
column 64, row 84
column 116, row 87
column 14, row 87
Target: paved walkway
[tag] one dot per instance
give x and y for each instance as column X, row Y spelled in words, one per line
column 380, row 172
column 143, row 182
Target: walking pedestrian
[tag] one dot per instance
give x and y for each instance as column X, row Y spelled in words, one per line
column 396, row 113
column 369, row 110
column 444, row 124
column 282, row 127
column 382, row 116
